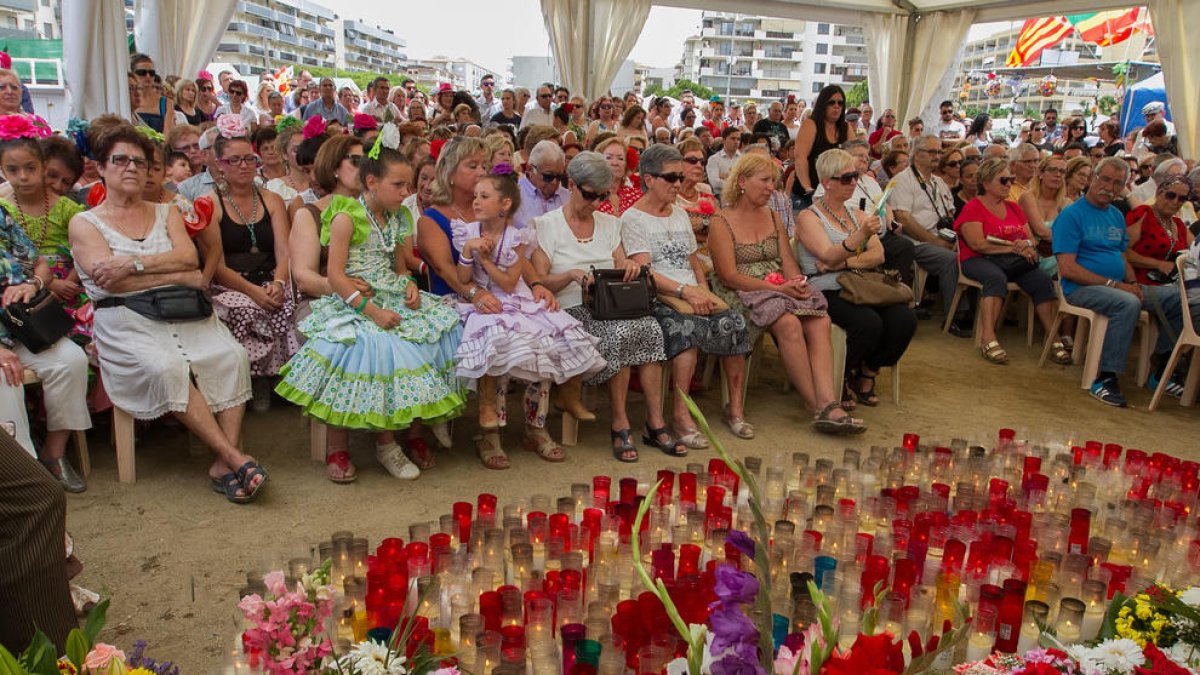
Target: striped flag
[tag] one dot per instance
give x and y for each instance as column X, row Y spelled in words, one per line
column 1036, row 35
column 1107, row 28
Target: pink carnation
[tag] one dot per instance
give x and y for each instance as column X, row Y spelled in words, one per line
column 102, row 657
column 16, row 126
column 314, row 127
column 775, row 278
column 232, row 126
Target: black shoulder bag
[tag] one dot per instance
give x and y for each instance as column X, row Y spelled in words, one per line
column 39, row 323
column 610, row 297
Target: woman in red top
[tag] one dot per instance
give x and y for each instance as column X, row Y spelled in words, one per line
column 885, row 129
column 1157, row 234
column 995, row 246
column 617, row 156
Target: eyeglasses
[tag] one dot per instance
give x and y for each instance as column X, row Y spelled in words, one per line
column 946, row 111
column 953, row 164
column 244, row 160
column 669, row 177
column 1007, row 180
column 1175, row 196
column 122, row 161
column 847, row 178
column 208, row 88
column 488, row 84
column 693, row 160
column 936, row 152
column 353, row 159
column 144, row 72
column 606, row 106
column 589, row 196
column 1039, row 128
column 235, row 92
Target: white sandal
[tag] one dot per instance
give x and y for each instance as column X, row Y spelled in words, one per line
column 391, row 456
column 740, row 427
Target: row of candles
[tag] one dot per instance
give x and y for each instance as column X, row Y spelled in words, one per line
column 1018, row 534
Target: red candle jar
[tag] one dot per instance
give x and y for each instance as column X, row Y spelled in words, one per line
column 687, row 488
column 1077, row 541
column 910, row 442
column 600, row 491
column 627, row 490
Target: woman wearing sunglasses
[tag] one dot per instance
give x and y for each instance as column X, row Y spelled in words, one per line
column 1157, row 234
column 826, row 129
column 833, row 239
column 996, row 246
column 658, row 233
column 695, row 196
column 1076, row 131
column 251, row 290
column 948, row 166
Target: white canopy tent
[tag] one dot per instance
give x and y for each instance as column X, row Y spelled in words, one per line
column 912, row 43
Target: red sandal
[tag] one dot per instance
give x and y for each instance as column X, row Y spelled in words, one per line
column 341, row 460
column 417, row 451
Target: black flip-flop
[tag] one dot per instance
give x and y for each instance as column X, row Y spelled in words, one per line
column 670, row 447
column 229, row 484
column 619, row 451
column 248, row 471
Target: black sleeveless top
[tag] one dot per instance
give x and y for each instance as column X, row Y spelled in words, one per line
column 820, row 144
column 251, row 257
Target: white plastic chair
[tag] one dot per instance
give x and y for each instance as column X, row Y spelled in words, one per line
column 1188, row 340
column 1089, row 343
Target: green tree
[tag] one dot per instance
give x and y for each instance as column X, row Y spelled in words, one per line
column 1107, row 105
column 362, row 79
column 857, row 94
column 701, row 92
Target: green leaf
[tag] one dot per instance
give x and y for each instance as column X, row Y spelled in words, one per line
column 40, row 656
column 95, row 621
column 9, row 664
column 1108, row 627
column 78, row 647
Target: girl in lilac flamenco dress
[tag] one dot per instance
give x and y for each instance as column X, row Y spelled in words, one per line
column 526, row 340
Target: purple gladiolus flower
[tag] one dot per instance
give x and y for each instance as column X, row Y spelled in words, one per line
column 734, row 586
column 731, row 664
column 730, row 627
column 742, row 542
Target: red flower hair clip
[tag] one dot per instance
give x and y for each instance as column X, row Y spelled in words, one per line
column 435, row 148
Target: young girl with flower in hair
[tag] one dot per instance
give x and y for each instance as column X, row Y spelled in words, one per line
column 526, row 340
column 382, row 358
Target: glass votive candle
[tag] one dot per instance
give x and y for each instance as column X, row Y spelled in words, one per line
column 1069, row 625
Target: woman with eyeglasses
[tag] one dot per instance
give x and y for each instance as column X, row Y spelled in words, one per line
column 152, row 366
column 996, row 246
column 618, row 157
column 603, row 119
column 1157, row 234
column 1038, row 138
column 826, row 129
column 238, row 106
column 695, row 197
column 152, row 108
column 658, row 233
column 947, row 168
column 885, row 130
column 206, row 97
column 570, row 242
column 1078, row 177
column 187, row 99
column 833, row 239
column 251, row 290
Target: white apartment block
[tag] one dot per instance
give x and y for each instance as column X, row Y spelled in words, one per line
column 464, row 74
column 31, row 19
column 360, row 46
column 754, row 58
column 267, row 35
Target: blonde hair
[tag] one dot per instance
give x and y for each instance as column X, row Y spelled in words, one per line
column 747, row 165
column 1074, row 165
column 989, row 169
column 832, row 161
column 1035, row 185
column 613, row 140
column 496, row 142
column 453, row 153
column 689, row 145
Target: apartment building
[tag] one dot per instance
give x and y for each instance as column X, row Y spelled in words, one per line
column 31, row 19
column 762, row 59
column 359, row 46
column 463, row 73
column 270, row 34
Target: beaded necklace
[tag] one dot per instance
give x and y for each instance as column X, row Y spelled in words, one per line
column 247, row 223
column 25, row 219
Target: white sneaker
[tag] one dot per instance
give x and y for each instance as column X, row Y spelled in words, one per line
column 441, row 432
column 391, row 456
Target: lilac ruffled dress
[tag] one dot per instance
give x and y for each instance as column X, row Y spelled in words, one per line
column 525, row 340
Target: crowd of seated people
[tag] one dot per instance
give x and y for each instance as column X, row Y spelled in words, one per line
column 380, row 260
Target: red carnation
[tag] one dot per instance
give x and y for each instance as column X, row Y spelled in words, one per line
column 435, row 147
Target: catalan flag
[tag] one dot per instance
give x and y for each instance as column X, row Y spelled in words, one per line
column 1036, row 35
column 1107, row 28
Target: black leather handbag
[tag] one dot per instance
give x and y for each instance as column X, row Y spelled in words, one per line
column 168, row 303
column 39, row 323
column 610, row 297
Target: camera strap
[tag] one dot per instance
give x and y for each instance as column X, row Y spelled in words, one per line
column 925, row 189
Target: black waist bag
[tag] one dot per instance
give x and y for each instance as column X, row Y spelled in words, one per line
column 169, row 303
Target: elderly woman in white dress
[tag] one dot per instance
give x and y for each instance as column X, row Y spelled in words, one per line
column 157, row 359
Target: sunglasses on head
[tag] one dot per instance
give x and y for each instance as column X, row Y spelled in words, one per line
column 1006, row 180
column 669, row 177
column 847, row 178
column 144, row 72
column 1175, row 196
column 589, row 196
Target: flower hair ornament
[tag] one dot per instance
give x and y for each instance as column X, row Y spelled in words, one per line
column 314, row 127
column 502, row 169
column 435, row 147
column 22, row 125
column 232, row 126
column 389, row 137
column 152, row 134
column 364, row 122
column 77, row 129
column 285, row 122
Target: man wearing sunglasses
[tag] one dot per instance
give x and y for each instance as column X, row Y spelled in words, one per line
column 948, row 128
column 544, row 185
column 924, row 207
column 488, row 102
column 540, row 112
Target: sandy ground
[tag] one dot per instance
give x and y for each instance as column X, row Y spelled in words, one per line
column 172, row 554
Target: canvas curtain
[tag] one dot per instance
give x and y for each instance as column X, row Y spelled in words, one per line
column 910, row 56
column 181, row 35
column 1180, row 56
column 590, row 39
column 887, row 38
column 95, row 57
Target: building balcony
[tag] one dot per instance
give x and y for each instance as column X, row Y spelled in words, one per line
column 707, row 71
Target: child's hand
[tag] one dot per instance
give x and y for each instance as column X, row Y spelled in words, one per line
column 362, row 287
column 412, row 295
column 384, row 318
column 480, row 246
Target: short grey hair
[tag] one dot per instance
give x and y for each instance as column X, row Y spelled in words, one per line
column 546, row 152
column 1194, row 176
column 1168, row 168
column 927, row 138
column 590, row 169
column 1118, row 162
column 856, row 143
column 1019, row 152
column 655, row 157
column 833, row 161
